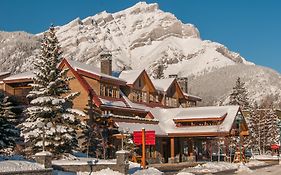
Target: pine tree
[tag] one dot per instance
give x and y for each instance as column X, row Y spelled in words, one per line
column 97, row 133
column 273, row 130
column 9, row 134
column 159, row 74
column 239, row 95
column 51, row 122
column 252, row 121
column 90, row 138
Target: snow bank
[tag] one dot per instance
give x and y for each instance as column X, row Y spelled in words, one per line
column 265, row 157
column 149, row 171
column 211, row 167
column 185, row 173
column 253, row 163
column 243, row 169
column 101, row 172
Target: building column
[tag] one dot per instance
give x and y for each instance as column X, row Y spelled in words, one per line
column 172, row 141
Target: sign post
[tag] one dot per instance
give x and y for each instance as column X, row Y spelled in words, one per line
column 144, row 138
column 143, row 148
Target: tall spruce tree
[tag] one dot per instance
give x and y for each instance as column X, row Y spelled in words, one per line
column 239, row 95
column 97, row 134
column 273, row 129
column 253, row 125
column 9, row 134
column 51, row 122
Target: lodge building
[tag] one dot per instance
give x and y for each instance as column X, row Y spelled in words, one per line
column 134, row 101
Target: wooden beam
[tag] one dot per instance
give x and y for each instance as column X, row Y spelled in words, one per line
column 143, row 148
column 172, row 141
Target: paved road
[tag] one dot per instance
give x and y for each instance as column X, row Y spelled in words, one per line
column 271, row 170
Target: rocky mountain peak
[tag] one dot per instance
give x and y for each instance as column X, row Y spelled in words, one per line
column 140, row 37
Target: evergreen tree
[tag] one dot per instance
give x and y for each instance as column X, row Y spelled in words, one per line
column 9, row 134
column 97, row 134
column 159, row 74
column 272, row 125
column 239, row 95
column 51, row 122
column 253, row 125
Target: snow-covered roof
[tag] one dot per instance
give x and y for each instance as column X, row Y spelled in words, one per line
column 196, row 113
column 132, row 104
column 166, row 118
column 192, row 96
column 116, row 103
column 130, row 75
column 162, row 84
column 25, row 75
column 90, row 69
column 4, row 73
column 131, row 127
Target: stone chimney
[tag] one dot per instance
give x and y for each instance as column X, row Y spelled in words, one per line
column 173, row 76
column 106, row 62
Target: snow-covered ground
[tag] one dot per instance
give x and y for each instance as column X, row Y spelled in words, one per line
column 102, row 172
column 213, row 167
column 134, row 169
column 265, row 157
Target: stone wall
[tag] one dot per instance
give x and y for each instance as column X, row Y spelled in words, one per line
column 92, row 167
column 47, row 171
column 121, row 165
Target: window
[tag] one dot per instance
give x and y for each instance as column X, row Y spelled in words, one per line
column 157, row 98
column 144, row 96
column 109, row 91
column 140, row 96
column 198, row 123
column 151, row 98
column 171, row 102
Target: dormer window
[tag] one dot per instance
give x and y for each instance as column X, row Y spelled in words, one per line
column 109, row 91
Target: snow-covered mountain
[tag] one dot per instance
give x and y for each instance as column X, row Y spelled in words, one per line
column 142, row 36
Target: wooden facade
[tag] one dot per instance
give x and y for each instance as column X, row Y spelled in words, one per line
column 135, row 101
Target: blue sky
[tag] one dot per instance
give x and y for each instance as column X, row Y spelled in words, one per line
column 250, row 27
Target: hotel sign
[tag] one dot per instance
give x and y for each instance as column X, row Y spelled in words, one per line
column 149, row 137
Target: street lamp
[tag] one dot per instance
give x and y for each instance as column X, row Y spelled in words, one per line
column 239, row 119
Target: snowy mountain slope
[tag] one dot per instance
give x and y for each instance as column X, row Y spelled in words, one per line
column 216, row 86
column 17, row 51
column 142, row 36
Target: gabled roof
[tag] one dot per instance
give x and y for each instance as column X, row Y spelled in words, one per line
column 25, row 76
column 163, row 84
column 137, row 126
column 166, row 120
column 93, row 71
column 4, row 74
column 192, row 97
column 130, row 75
